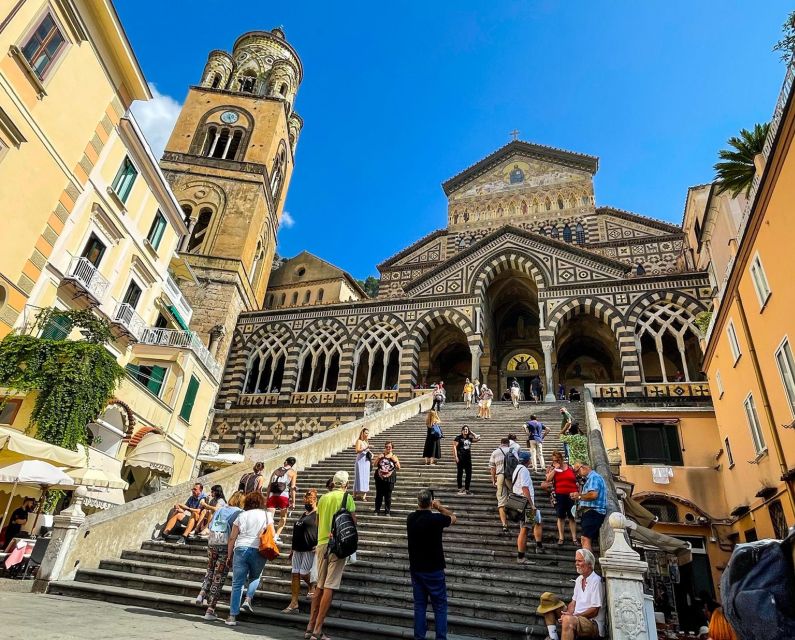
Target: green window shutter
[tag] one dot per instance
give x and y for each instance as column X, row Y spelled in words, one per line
column 630, row 444
column 155, row 382
column 190, row 399
column 57, row 328
column 125, row 177
column 674, row 446
column 156, row 230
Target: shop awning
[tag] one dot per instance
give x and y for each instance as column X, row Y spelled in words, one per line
column 641, row 536
column 177, row 317
column 152, row 452
column 16, row 446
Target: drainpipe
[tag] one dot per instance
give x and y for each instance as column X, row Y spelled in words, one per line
column 782, row 461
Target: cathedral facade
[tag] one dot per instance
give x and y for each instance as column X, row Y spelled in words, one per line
column 528, row 278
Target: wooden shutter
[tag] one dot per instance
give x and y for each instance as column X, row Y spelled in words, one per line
column 674, row 445
column 630, row 444
column 190, row 399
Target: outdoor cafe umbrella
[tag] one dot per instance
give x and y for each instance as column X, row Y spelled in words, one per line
column 96, row 478
column 33, row 473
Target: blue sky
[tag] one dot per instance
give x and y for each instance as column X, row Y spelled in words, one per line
column 398, row 97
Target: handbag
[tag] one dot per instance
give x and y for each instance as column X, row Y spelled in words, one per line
column 515, row 506
column 369, row 456
column 267, row 544
column 436, row 430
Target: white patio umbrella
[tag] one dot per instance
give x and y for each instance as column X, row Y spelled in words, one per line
column 33, row 473
column 96, row 478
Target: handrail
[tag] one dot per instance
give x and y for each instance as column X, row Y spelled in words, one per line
column 83, row 271
column 126, row 316
column 182, row 340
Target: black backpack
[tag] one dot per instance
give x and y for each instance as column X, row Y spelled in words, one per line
column 757, row 587
column 248, row 480
column 279, row 480
column 344, row 538
column 510, row 462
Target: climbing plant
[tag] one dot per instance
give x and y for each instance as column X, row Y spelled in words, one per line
column 702, row 321
column 578, row 447
column 73, row 379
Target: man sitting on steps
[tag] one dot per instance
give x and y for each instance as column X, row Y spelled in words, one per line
column 186, row 514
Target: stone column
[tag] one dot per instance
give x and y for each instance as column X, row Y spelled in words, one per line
column 550, row 384
column 216, row 334
column 183, row 244
column 623, row 572
column 476, row 352
column 64, row 531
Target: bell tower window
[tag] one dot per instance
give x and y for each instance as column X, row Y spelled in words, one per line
column 200, row 230
column 247, row 83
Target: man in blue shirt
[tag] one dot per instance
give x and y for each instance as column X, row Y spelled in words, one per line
column 186, row 514
column 592, row 503
column 536, row 432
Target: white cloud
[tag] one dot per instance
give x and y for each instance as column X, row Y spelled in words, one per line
column 157, row 118
column 287, row 220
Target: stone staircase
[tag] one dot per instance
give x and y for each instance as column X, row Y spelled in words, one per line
column 489, row 595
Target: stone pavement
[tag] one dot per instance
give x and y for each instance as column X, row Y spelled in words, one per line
column 31, row 616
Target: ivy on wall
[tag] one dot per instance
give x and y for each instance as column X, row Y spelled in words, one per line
column 73, row 379
column 578, row 447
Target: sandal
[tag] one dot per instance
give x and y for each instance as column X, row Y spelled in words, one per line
column 560, row 542
column 289, row 609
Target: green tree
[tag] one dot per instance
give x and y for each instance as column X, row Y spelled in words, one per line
column 735, row 171
column 787, row 43
column 370, row 285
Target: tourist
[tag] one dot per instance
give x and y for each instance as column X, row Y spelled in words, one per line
column 537, row 389
column 462, row 452
column 562, row 392
column 522, row 485
column 565, row 421
column 426, row 562
column 281, row 493
column 498, row 479
column 574, row 395
column 486, row 396
column 329, row 567
column 563, row 481
column 584, row 617
column 469, row 389
column 361, row 469
column 19, row 518
column 218, row 553
column 185, row 514
column 253, row 480
column 386, row 466
column 476, row 394
column 438, row 397
column 513, row 444
column 432, row 451
column 592, row 501
column 208, row 509
column 247, row 563
column 302, row 553
column 536, row 432
column 516, row 393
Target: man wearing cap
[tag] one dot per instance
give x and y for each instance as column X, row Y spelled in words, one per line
column 523, row 486
column 584, row 617
column 329, row 566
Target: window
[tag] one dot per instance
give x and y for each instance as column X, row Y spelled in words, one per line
column 200, row 229
column 124, row 180
column 190, row 399
column 57, row 328
column 133, row 294
column 307, row 296
column 283, row 299
column 156, row 231
column 94, row 250
column 269, row 300
column 566, row 233
column 760, row 281
column 43, row 46
column 753, row 423
column 729, row 455
column 665, row 510
column 719, row 384
column 734, row 345
column 778, row 519
column 222, row 143
column 161, row 322
column 580, row 233
column 750, row 535
column 650, row 443
column 247, row 84
column 216, row 80
column 786, row 367
column 295, row 297
column 150, row 376
column 320, row 295
column 277, row 175
column 553, row 232
column 9, row 410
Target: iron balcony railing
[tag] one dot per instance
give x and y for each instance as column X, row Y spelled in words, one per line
column 88, row 278
column 175, row 295
column 182, row 340
column 125, row 316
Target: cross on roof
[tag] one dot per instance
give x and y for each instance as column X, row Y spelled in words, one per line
column 515, row 134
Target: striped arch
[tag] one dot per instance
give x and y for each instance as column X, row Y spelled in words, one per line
column 506, row 260
column 601, row 309
column 436, row 318
column 388, row 318
column 674, row 297
column 267, row 360
column 254, row 340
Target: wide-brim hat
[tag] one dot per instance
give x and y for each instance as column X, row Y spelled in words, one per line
column 549, row 602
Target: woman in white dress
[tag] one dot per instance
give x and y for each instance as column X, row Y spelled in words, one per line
column 361, row 475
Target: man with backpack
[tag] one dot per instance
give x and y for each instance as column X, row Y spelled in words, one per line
column 502, row 463
column 522, row 485
column 426, row 562
column 536, row 432
column 281, row 493
column 336, row 540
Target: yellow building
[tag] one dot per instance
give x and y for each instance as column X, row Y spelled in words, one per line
column 749, row 347
column 69, row 76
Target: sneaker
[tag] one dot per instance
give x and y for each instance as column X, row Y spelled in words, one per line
column 205, row 534
column 246, row 606
column 210, row 616
column 523, row 561
column 181, row 540
column 201, row 600
column 469, row 493
column 157, row 533
column 231, row 621
column 462, row 492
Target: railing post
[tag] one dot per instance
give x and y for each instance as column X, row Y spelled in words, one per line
column 64, row 531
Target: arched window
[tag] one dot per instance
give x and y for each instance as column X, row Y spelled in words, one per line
column 580, row 233
column 266, row 365
column 283, row 89
column 377, row 358
column 665, row 510
column 209, row 141
column 269, row 300
column 216, row 81
column 307, row 296
column 586, row 200
column 542, row 231
column 247, row 82
column 560, row 203
column 548, row 204
column 553, row 232
column 234, row 145
column 566, row 233
column 277, row 175
column 524, row 207
column 295, row 297
column 319, row 360
column 283, row 299
column 320, row 295
column 667, row 343
column 188, row 211
column 256, row 267
column 200, row 230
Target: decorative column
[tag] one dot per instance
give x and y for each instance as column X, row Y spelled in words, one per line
column 623, row 572
column 476, row 353
column 64, row 532
column 216, row 333
column 550, row 384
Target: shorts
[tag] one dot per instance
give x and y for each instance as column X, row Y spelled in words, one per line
column 467, row 397
column 586, row 627
column 529, row 519
column 329, row 568
column 590, row 522
column 503, row 489
column 302, row 562
column 277, row 502
column 563, row 505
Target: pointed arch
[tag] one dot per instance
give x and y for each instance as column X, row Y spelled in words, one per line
column 266, row 362
column 320, row 356
column 506, row 260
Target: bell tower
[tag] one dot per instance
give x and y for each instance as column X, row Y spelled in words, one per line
column 229, row 161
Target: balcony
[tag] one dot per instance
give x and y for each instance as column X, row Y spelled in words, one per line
column 179, row 301
column 125, row 317
column 182, row 340
column 87, row 279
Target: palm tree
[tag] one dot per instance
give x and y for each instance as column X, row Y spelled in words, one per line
column 736, row 170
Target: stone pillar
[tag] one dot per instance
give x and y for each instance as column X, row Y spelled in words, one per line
column 550, row 384
column 64, row 531
column 476, row 352
column 623, row 572
column 216, row 333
